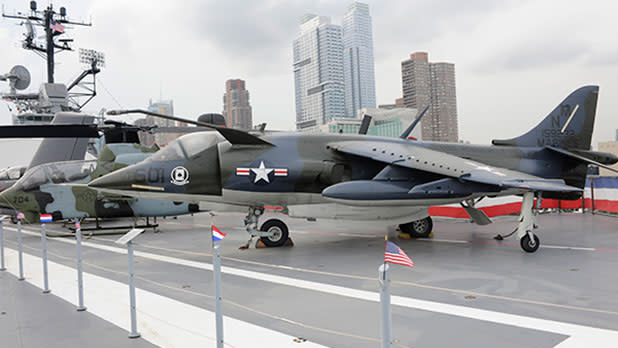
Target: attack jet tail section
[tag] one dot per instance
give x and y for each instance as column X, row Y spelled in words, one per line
column 603, row 157
column 56, row 150
column 568, row 126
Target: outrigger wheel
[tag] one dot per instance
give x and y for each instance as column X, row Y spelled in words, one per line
column 279, row 232
column 529, row 244
column 419, row 228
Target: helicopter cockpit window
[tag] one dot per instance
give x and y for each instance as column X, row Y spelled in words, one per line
column 70, row 171
column 15, row 173
column 171, row 152
column 195, row 143
column 35, row 177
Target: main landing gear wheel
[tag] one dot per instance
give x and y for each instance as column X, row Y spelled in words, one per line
column 279, row 232
column 419, row 228
column 530, row 245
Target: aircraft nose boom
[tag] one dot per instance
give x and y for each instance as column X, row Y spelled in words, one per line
column 121, row 179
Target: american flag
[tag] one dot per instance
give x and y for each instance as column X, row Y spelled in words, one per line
column 20, row 216
column 77, row 225
column 56, row 26
column 394, row 254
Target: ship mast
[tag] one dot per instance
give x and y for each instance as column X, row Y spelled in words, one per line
column 53, row 23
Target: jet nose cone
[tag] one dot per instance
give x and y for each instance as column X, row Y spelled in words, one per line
column 118, row 180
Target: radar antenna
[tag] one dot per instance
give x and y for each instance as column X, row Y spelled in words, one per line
column 18, row 77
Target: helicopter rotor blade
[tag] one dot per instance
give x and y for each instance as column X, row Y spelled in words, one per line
column 234, row 136
column 48, row 131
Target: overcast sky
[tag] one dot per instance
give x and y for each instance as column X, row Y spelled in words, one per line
column 514, row 60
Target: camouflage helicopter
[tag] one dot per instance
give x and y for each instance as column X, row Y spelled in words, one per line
column 50, row 150
column 359, row 177
column 42, row 189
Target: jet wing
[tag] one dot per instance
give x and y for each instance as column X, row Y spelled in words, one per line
column 415, row 157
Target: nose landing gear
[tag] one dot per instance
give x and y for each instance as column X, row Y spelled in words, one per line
column 278, row 231
column 273, row 233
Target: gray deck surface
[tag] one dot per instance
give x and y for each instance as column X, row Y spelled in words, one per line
column 29, row 318
column 459, row 266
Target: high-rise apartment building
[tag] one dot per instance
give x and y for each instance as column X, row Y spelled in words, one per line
column 164, row 107
column 432, row 84
column 359, row 75
column 236, row 107
column 318, row 73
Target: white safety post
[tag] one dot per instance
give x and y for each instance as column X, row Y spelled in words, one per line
column 133, row 333
column 216, row 263
column 127, row 240
column 21, row 256
column 385, row 302
column 44, row 251
column 80, row 277
column 2, row 264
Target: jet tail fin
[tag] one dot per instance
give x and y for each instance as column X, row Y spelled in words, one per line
column 568, row 126
column 63, row 149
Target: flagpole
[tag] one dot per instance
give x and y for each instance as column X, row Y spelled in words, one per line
column 218, row 300
column 212, row 223
column 385, row 243
column 216, row 267
column 385, row 301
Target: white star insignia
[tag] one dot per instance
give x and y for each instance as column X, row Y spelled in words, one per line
column 261, row 173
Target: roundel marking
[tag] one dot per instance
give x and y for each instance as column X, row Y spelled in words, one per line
column 180, row 176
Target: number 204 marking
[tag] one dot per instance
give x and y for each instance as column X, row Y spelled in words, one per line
column 20, row 199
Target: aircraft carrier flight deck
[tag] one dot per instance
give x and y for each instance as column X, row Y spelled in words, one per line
column 466, row 288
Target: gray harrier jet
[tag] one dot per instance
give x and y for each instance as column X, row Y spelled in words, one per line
column 360, row 177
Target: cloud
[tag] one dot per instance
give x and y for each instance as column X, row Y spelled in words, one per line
column 533, row 54
column 186, row 50
column 256, row 35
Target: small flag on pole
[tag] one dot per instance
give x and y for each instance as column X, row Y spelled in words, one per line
column 45, row 218
column 56, row 26
column 20, row 216
column 394, row 254
column 216, row 234
column 77, row 225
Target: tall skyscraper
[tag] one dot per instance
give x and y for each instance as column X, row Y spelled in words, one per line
column 318, row 73
column 432, row 84
column 358, row 66
column 236, row 107
column 165, row 107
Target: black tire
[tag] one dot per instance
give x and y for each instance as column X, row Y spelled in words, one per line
column 529, row 245
column 419, row 228
column 281, row 233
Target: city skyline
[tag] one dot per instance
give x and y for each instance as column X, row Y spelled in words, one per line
column 496, row 56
